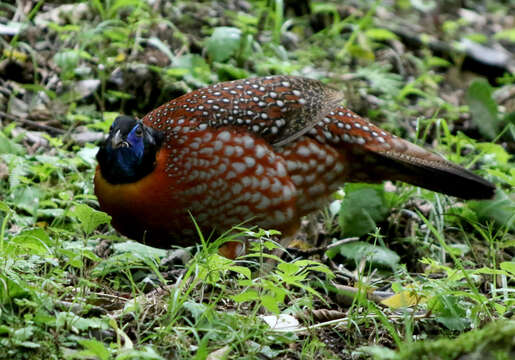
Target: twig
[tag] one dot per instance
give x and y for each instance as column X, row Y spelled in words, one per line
column 33, row 124
column 321, row 249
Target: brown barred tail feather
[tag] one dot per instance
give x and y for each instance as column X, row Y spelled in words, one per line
column 420, row 167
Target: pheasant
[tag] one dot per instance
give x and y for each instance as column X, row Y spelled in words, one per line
column 265, row 151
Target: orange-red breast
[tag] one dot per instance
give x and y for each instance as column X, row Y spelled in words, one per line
column 265, row 150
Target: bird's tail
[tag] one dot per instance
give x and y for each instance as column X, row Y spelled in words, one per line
column 380, row 156
column 410, row 163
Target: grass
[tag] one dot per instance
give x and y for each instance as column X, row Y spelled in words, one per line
column 428, row 276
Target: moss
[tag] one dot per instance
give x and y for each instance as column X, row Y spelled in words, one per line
column 495, row 341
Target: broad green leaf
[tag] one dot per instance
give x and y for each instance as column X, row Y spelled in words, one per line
column 248, row 295
column 4, row 207
column 509, row 266
column 435, row 61
column 161, row 46
column 7, row 146
column 145, row 353
column 33, row 241
column 70, row 319
column 27, row 198
column 117, row 5
column 477, row 37
column 270, row 303
column 508, row 34
column 381, row 79
column 11, row 288
column 223, row 43
column 483, row 108
column 501, row 209
column 142, row 250
column 196, row 309
column 380, row 34
column 95, row 348
column 88, row 154
column 89, row 218
column 228, row 72
column 288, row 268
column 361, row 209
column 194, row 68
column 495, row 151
column 450, row 313
column 374, row 254
column 245, row 271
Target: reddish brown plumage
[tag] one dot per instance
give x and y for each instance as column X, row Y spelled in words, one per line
column 267, row 151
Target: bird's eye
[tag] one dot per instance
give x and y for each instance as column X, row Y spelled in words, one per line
column 139, row 131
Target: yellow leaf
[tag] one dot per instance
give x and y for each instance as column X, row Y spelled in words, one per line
column 299, row 244
column 15, row 54
column 42, row 224
column 120, row 57
column 403, row 299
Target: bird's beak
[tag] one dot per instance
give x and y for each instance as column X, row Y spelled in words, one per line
column 117, row 140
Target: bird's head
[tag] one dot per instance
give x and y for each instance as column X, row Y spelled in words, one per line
column 129, row 152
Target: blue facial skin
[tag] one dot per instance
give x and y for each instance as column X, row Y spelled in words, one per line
column 129, row 158
column 129, row 153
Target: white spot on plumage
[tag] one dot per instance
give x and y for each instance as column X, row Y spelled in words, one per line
column 281, row 171
column 206, row 151
column 264, row 203
column 239, row 151
column 260, row 151
column 229, row 150
column 265, row 183
column 291, row 165
column 310, row 178
column 217, row 145
column 224, row 136
column 276, row 186
column 246, row 181
column 222, row 168
column 236, row 188
column 249, row 161
column 287, row 193
column 248, row 142
column 303, row 151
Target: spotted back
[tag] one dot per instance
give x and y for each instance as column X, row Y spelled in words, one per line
column 277, row 108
